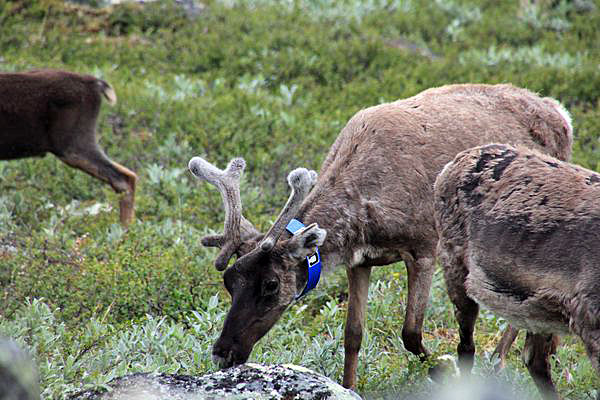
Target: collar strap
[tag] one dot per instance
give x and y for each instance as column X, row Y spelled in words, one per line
column 313, row 261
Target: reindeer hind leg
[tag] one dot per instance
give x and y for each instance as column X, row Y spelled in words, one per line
column 93, row 161
column 420, row 275
column 508, row 338
column 590, row 335
column 465, row 309
column 536, row 352
column 591, row 339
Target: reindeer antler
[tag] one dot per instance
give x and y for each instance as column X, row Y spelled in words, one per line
column 301, row 181
column 228, row 184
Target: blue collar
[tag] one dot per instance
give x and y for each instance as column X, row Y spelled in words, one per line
column 313, row 261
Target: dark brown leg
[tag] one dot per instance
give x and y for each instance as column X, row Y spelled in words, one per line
column 535, row 355
column 465, row 311
column 121, row 179
column 358, row 290
column 508, row 338
column 466, row 314
column 591, row 340
column 127, row 202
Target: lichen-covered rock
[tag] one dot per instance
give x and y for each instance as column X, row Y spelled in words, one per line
column 248, row 381
column 18, row 376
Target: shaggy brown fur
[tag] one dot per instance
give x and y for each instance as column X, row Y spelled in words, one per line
column 374, row 197
column 52, row 111
column 519, row 234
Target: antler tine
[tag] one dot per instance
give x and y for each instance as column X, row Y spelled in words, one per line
column 301, row 181
column 228, row 184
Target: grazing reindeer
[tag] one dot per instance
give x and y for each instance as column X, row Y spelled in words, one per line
column 56, row 111
column 519, row 234
column 374, row 199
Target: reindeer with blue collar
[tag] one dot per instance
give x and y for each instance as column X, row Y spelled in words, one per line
column 371, row 205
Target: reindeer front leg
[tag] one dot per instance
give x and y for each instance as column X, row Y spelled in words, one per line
column 358, row 290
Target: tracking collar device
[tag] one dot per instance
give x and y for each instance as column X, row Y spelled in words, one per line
column 313, row 261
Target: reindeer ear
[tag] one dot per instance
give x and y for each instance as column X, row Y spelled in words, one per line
column 305, row 242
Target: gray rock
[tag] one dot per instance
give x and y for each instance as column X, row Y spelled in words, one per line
column 18, row 376
column 248, row 381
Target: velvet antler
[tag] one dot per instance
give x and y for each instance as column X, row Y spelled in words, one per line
column 301, row 181
column 236, row 227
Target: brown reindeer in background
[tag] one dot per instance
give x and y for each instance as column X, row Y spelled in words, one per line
column 519, row 234
column 373, row 200
column 51, row 111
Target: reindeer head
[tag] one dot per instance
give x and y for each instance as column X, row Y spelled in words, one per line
column 268, row 273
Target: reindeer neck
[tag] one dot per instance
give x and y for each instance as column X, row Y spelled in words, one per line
column 326, row 210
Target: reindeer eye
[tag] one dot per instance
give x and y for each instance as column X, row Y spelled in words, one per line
column 270, row 287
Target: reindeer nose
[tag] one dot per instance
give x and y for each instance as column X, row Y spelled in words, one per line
column 227, row 354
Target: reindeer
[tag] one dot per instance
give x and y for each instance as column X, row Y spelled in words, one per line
column 56, row 111
column 373, row 201
column 518, row 234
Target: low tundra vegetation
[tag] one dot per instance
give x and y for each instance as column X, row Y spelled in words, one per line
column 274, row 82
